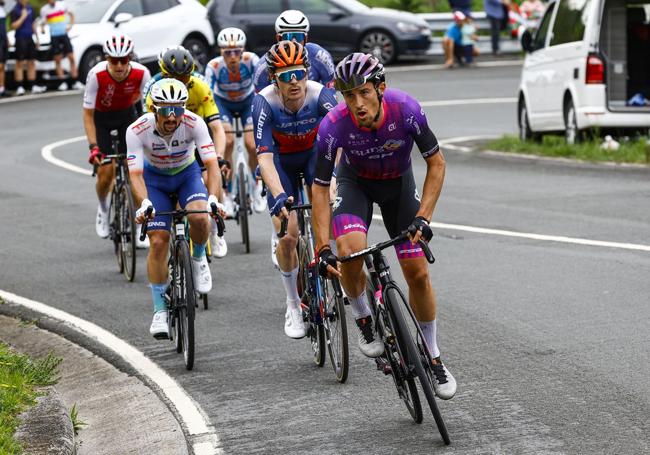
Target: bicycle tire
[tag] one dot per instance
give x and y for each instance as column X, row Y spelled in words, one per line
column 113, row 216
column 243, row 207
column 204, row 297
column 405, row 384
column 127, row 232
column 186, row 302
column 334, row 322
column 414, row 355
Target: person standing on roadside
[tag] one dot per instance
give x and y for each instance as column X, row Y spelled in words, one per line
column 496, row 11
column 22, row 21
column 55, row 13
column 4, row 48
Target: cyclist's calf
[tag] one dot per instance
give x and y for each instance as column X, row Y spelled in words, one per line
column 421, row 295
column 157, row 257
column 352, row 279
column 105, row 176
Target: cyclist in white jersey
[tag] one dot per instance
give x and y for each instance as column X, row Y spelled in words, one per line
column 160, row 153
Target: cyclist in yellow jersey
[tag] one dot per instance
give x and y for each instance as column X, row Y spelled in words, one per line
column 177, row 62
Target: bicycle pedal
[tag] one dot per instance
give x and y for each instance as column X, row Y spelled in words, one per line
column 383, row 366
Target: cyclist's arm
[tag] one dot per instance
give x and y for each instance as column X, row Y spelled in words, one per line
column 219, row 135
column 144, row 84
column 327, row 145
column 265, row 144
column 261, row 76
column 432, row 184
column 135, row 161
column 89, row 125
column 90, row 96
column 327, row 67
column 205, row 146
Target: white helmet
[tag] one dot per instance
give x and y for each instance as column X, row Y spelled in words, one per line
column 169, row 91
column 120, row 45
column 231, row 37
column 292, row 20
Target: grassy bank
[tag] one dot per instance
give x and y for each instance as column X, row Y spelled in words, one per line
column 20, row 378
column 555, row 146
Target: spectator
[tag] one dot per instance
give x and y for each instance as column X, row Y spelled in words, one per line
column 464, row 6
column 496, row 11
column 55, row 13
column 452, row 43
column 468, row 40
column 22, row 20
column 4, row 48
column 532, row 11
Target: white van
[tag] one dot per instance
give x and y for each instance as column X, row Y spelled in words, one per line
column 588, row 65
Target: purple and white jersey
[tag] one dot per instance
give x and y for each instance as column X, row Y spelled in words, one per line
column 384, row 153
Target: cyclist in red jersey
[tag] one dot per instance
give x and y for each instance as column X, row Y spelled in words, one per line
column 111, row 102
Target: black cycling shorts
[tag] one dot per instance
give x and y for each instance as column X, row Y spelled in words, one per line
column 397, row 198
column 4, row 50
column 105, row 122
column 60, row 45
column 25, row 48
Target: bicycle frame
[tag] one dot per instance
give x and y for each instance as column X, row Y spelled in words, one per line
column 241, row 159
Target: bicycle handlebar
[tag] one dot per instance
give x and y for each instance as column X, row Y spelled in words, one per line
column 388, row 243
column 221, row 225
column 285, row 222
column 107, row 159
column 143, row 229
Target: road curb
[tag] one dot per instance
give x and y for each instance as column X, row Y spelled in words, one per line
column 46, row 428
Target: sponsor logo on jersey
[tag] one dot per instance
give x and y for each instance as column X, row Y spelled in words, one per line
column 196, row 195
column 175, row 143
column 156, row 147
column 260, row 125
column 417, row 195
column 307, row 121
column 151, row 224
column 347, row 227
column 411, row 121
column 392, row 127
column 393, row 144
column 337, row 202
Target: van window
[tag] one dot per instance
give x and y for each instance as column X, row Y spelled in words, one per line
column 542, row 31
column 570, row 21
column 257, row 7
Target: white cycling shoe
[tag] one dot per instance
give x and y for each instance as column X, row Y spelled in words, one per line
column 294, row 326
column 229, row 206
column 202, row 276
column 444, row 383
column 159, row 328
column 101, row 223
column 369, row 344
column 274, row 249
column 218, row 245
column 259, row 202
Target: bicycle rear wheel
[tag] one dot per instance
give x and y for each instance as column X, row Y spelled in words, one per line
column 127, row 232
column 243, row 206
column 114, row 219
column 186, row 302
column 412, row 339
column 336, row 330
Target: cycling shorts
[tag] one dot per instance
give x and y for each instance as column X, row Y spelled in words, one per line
column 25, row 48
column 105, row 122
column 243, row 108
column 187, row 185
column 397, row 198
column 289, row 166
column 60, row 45
column 4, row 49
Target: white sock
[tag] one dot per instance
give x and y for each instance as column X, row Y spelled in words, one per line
column 359, row 306
column 213, row 226
column 105, row 204
column 290, row 282
column 429, row 331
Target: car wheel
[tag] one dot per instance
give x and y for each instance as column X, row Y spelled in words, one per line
column 380, row 44
column 571, row 132
column 525, row 133
column 89, row 59
column 199, row 50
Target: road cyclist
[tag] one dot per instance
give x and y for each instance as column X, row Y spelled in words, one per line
column 161, row 163
column 376, row 128
column 286, row 116
column 176, row 62
column 293, row 25
column 230, row 77
column 111, row 102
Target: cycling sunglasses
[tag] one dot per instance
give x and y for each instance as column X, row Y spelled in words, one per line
column 167, row 111
column 116, row 60
column 231, row 52
column 355, row 81
column 300, row 37
column 287, row 76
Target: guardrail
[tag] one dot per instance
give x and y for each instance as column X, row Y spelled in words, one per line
column 440, row 21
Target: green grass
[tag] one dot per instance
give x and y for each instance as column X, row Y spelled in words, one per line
column 77, row 423
column 633, row 151
column 20, row 378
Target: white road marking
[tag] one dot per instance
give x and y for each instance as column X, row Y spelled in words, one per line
column 46, row 153
column 439, row 66
column 40, row 96
column 467, row 101
column 450, row 143
column 193, row 417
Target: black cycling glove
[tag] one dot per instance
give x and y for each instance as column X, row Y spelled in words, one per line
column 421, row 224
column 325, row 258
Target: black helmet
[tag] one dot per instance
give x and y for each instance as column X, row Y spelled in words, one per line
column 176, row 61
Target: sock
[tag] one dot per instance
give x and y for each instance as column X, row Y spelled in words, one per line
column 158, row 296
column 429, row 331
column 359, row 306
column 105, row 204
column 290, row 282
column 198, row 251
column 213, row 226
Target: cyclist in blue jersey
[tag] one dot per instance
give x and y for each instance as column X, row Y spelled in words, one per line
column 286, row 116
column 376, row 128
column 230, row 77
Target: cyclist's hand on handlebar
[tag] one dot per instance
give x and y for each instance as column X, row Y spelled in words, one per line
column 95, row 157
column 224, row 166
column 141, row 212
column 279, row 209
column 420, row 230
column 327, row 263
column 221, row 209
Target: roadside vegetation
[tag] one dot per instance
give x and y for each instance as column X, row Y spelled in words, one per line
column 632, row 151
column 20, row 379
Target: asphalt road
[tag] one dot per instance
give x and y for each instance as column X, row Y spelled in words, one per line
column 548, row 341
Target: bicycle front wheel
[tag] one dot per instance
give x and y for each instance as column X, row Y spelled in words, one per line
column 412, row 339
column 127, row 232
column 243, row 206
column 114, row 219
column 186, row 301
column 336, row 330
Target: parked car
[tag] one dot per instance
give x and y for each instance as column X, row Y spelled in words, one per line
column 586, row 67
column 153, row 24
column 340, row 26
